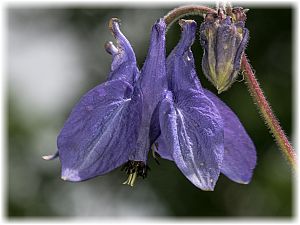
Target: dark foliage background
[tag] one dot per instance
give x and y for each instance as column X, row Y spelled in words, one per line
column 34, row 187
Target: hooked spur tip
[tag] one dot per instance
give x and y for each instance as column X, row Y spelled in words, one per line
column 182, row 22
column 187, row 25
column 110, row 48
column 112, row 22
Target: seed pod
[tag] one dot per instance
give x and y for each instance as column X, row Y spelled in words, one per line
column 224, row 39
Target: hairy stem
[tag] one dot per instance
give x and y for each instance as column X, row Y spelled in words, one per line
column 182, row 11
column 253, row 86
column 267, row 113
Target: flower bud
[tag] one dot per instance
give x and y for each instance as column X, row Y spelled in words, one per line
column 224, row 39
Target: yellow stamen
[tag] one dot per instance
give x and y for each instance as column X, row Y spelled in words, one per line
column 131, row 179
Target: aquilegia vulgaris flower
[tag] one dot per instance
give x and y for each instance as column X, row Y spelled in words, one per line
column 162, row 106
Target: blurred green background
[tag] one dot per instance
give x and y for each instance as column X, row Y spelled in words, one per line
column 55, row 54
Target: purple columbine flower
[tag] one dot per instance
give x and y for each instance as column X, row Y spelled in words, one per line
column 224, row 39
column 118, row 121
column 111, row 124
column 198, row 131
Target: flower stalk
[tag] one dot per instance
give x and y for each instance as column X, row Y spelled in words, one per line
column 251, row 81
column 267, row 113
column 182, row 11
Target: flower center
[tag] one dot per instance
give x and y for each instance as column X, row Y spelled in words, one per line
column 135, row 169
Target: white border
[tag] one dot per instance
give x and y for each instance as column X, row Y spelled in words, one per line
column 135, row 3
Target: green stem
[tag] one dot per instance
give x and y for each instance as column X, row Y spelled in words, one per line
column 253, row 86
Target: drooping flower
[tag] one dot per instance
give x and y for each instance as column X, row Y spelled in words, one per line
column 199, row 132
column 118, row 121
column 224, row 39
column 110, row 125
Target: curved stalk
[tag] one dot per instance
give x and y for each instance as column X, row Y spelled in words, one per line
column 182, row 11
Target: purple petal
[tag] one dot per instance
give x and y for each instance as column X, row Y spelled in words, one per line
column 124, row 62
column 181, row 60
column 239, row 150
column 101, row 131
column 153, row 83
column 153, row 79
column 192, row 128
column 162, row 149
